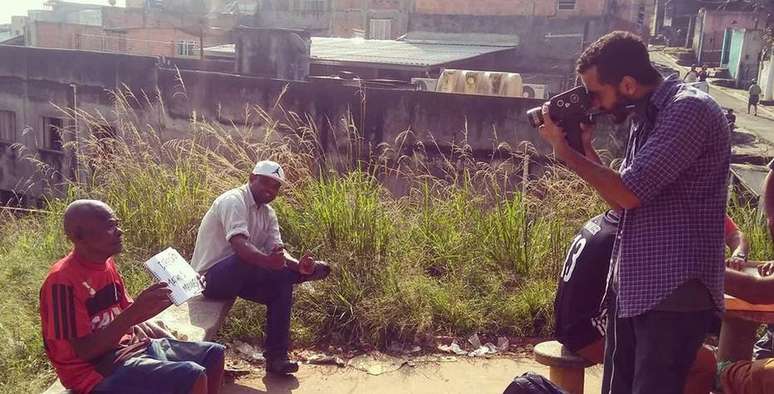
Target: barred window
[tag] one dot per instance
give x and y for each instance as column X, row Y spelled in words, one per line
column 51, row 136
column 314, row 6
column 380, row 29
column 7, row 126
column 186, row 48
column 565, row 4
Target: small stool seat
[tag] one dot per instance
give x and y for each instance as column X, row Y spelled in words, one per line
column 565, row 368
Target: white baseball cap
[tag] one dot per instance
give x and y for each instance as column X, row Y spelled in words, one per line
column 270, row 169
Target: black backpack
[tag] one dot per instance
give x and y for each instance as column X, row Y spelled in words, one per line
column 532, row 383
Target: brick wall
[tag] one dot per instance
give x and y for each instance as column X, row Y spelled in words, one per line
column 344, row 5
column 125, row 18
column 137, row 41
column 384, row 4
column 711, row 28
column 157, row 42
column 61, row 35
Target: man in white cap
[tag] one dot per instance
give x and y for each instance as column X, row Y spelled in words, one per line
column 239, row 251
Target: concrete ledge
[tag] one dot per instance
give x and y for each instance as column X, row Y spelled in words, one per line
column 197, row 320
column 57, row 388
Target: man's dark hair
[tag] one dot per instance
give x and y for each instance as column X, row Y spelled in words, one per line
column 617, row 55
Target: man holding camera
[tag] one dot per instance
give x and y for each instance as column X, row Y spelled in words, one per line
column 666, row 277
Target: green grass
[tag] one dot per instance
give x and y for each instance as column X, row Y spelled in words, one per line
column 461, row 249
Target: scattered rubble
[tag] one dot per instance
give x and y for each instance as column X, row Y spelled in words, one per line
column 316, row 358
column 479, row 350
column 377, row 363
column 248, row 352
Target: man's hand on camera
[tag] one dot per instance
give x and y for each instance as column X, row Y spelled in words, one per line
column 587, row 134
column 552, row 133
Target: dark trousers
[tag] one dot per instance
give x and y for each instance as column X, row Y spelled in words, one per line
column 651, row 352
column 233, row 278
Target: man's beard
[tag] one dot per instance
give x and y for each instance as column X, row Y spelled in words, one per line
column 623, row 107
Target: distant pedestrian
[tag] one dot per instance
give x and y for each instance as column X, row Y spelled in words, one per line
column 703, row 74
column 731, row 118
column 754, row 95
column 691, row 76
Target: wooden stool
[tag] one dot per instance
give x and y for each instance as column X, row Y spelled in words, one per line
column 566, row 369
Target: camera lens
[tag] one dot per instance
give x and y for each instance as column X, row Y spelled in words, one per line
column 535, row 116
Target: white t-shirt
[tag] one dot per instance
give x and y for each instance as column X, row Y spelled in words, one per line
column 234, row 212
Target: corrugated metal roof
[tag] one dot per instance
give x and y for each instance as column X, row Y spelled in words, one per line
column 483, row 39
column 395, row 52
column 403, row 53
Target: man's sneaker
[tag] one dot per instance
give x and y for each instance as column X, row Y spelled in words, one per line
column 281, row 366
column 321, row 271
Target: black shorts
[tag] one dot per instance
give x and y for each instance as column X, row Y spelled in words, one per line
column 753, row 100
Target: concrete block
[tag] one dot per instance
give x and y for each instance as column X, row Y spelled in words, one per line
column 197, row 320
column 57, row 388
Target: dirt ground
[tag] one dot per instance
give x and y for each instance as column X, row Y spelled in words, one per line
column 439, row 374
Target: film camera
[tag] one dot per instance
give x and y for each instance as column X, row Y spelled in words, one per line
column 568, row 110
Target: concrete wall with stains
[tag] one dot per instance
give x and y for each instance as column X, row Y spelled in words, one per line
column 34, row 81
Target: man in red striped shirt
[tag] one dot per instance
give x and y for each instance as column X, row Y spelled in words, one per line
column 97, row 337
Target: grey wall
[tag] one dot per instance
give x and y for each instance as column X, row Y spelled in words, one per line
column 273, row 53
column 32, row 80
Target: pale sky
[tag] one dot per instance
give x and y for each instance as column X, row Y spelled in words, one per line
column 9, row 8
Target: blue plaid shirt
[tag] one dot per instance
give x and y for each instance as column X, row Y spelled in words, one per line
column 677, row 164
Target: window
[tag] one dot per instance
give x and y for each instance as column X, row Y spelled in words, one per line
column 380, row 29
column 313, row 6
column 641, row 16
column 186, row 48
column 565, row 4
column 7, row 126
column 51, row 137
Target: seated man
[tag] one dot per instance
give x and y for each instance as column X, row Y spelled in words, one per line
column 749, row 376
column 731, row 119
column 97, row 338
column 581, row 320
column 239, row 250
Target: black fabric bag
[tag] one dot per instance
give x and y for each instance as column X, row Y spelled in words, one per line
column 532, row 383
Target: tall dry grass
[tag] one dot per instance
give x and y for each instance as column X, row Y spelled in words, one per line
column 466, row 247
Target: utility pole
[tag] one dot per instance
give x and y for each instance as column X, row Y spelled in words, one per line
column 364, row 11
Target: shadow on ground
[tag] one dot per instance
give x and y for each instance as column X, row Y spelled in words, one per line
column 273, row 384
column 742, row 137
